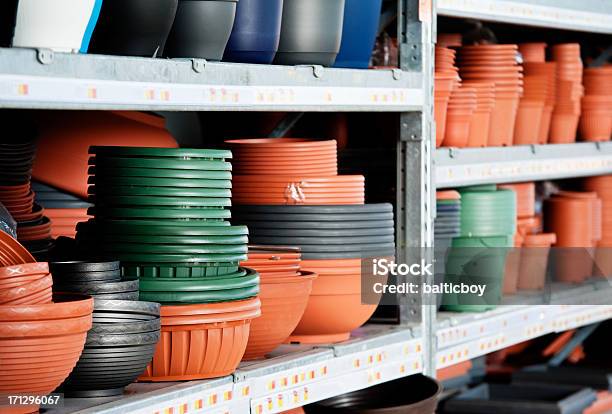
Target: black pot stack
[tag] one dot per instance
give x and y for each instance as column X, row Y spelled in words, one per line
column 125, row 331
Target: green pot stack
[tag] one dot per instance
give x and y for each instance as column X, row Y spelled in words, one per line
column 163, row 212
column 478, row 256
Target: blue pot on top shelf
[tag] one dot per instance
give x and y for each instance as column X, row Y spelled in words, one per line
column 256, row 32
column 361, row 19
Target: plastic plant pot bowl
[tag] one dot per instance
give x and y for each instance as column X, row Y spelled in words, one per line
column 13, row 253
column 201, row 29
column 61, row 25
column 311, row 32
column 338, row 286
column 220, row 331
column 133, row 27
column 388, row 398
column 256, row 32
column 359, row 33
column 26, row 334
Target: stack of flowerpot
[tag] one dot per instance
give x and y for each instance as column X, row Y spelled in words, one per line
column 124, row 334
column 102, row 280
column 531, row 110
column 33, row 228
column 447, row 224
column 311, row 32
column 527, row 263
column 566, row 115
column 63, row 209
column 446, row 79
column 533, row 52
column 481, row 118
column 449, row 39
column 603, row 187
column 547, row 70
column 291, row 171
column 285, row 290
column 576, row 219
column 461, row 107
column 162, row 212
column 12, row 252
column 133, row 27
column 498, row 64
column 596, row 120
column 333, row 240
column 478, row 256
column 41, row 343
column 65, row 138
column 27, row 284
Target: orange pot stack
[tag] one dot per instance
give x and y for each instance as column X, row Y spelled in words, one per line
column 481, row 119
column 446, row 80
column 547, row 70
column 291, row 171
column 596, row 120
column 566, row 115
column 533, row 52
column 449, row 39
column 531, row 110
column 459, row 117
column 284, row 293
column 498, row 64
column 603, row 187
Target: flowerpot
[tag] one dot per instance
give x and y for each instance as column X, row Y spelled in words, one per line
column 534, row 260
column 133, row 27
column 311, row 32
column 387, row 398
column 256, row 32
column 65, row 166
column 527, row 124
column 283, row 302
column 513, row 264
column 440, row 113
column 533, row 52
column 13, row 252
column 545, row 122
column 222, row 344
column 525, row 198
column 503, row 120
column 595, row 126
column 39, row 286
column 359, row 32
column 457, row 130
column 201, row 29
column 572, row 220
column 60, row 26
column 596, row 208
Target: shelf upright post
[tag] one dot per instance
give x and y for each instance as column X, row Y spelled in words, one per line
column 416, row 195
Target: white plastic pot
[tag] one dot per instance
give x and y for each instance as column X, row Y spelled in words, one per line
column 60, row 25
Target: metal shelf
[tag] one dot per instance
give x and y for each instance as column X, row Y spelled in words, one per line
column 46, row 80
column 470, row 166
column 586, row 16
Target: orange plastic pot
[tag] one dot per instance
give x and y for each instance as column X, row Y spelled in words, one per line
column 527, row 124
column 65, row 138
column 502, row 120
column 449, row 40
column 272, row 261
column 41, row 285
column 525, row 198
column 16, row 281
column 530, row 225
column 457, row 129
column 38, row 268
column 534, row 260
column 533, row 52
column 68, row 213
column 283, row 302
column 572, row 220
column 545, row 125
column 41, row 297
column 595, row 126
column 14, row 252
column 448, row 195
column 563, row 128
column 440, row 111
column 512, row 266
column 220, row 345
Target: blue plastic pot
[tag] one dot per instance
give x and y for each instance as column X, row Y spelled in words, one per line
column 256, row 32
column 361, row 18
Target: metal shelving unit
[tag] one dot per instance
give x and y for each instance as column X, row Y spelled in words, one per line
column 425, row 340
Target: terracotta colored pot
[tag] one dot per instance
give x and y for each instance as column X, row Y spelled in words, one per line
column 563, row 128
column 545, row 125
column 449, row 39
column 283, row 302
column 527, row 124
column 457, row 129
column 337, row 287
column 595, row 126
column 525, row 198
column 14, row 252
column 440, row 111
column 40, row 268
column 502, row 120
column 531, row 225
column 41, row 285
column 596, row 207
column 222, row 344
column 534, row 261
column 65, row 166
column 479, row 129
column 512, row 266
column 533, row 52
column 16, row 281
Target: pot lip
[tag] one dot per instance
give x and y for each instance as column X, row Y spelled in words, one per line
column 248, row 143
column 72, row 304
column 448, row 195
column 26, row 269
column 210, row 308
column 41, row 285
column 304, row 275
column 540, row 239
column 12, row 245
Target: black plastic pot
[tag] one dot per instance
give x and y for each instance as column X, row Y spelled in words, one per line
column 520, row 399
column 87, row 277
column 416, row 394
column 311, row 32
column 96, row 287
column 201, row 29
column 133, row 27
column 600, row 379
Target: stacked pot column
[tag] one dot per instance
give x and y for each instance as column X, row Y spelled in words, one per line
column 445, row 81
column 295, row 198
column 163, row 213
column 596, row 120
column 576, row 218
column 285, row 290
column 33, row 227
column 570, row 91
column 64, row 210
column 447, row 226
column 603, row 187
column 538, row 69
column 124, row 334
column 478, row 257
